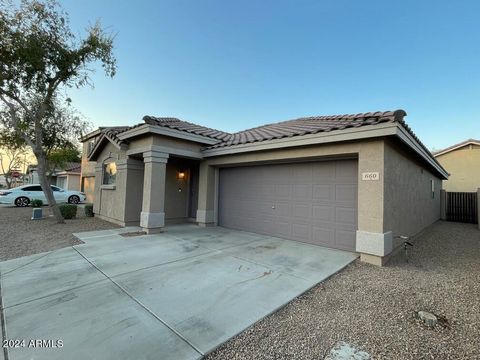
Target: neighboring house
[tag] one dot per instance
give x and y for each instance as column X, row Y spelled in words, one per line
column 350, row 182
column 15, row 182
column 462, row 161
column 67, row 178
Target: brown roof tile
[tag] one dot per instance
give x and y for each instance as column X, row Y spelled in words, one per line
column 310, row 125
column 177, row 124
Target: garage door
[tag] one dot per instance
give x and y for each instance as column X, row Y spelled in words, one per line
column 313, row 202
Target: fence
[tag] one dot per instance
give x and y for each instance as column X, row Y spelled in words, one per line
column 460, row 206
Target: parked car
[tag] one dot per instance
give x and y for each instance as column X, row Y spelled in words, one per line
column 22, row 196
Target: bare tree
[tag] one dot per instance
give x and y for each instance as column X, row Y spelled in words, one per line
column 39, row 58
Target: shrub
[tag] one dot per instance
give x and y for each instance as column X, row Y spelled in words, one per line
column 36, row 203
column 89, row 210
column 68, row 211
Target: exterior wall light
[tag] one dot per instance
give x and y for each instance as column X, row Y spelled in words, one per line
column 181, row 175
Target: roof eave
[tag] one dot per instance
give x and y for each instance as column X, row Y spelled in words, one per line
column 456, row 147
column 153, row 129
column 410, row 141
column 364, row 132
column 99, row 146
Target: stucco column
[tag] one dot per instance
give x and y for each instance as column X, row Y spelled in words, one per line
column 207, row 195
column 372, row 241
column 152, row 217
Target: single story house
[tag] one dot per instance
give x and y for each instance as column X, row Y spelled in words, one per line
column 350, row 182
column 462, row 161
column 67, row 177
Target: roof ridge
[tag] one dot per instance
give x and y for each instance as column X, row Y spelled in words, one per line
column 396, row 116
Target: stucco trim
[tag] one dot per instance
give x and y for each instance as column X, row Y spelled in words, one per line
column 108, row 187
column 166, row 149
column 379, row 244
column 150, row 220
column 146, row 128
column 368, row 131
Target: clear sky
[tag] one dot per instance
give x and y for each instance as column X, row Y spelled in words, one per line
column 233, row 65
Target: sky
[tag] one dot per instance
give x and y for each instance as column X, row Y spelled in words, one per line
column 233, row 65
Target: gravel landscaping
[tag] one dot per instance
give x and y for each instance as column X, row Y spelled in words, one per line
column 21, row 236
column 374, row 308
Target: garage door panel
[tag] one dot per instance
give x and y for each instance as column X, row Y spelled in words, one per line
column 301, row 232
column 282, row 229
column 302, row 210
column 302, row 192
column 323, row 213
column 283, row 191
column 345, row 216
column 323, row 192
column 312, row 202
column 345, row 171
column 343, row 239
column 347, row 193
column 324, row 171
column 323, row 236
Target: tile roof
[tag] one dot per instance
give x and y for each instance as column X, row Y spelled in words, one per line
column 290, row 128
column 73, row 167
column 177, row 124
column 310, row 125
column 109, row 133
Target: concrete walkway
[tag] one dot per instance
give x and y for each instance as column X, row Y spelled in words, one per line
column 176, row 295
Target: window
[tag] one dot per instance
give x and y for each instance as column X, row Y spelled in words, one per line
column 89, row 147
column 432, row 184
column 32, row 188
column 54, row 188
column 109, row 173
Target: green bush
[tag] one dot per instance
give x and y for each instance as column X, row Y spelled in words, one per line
column 89, row 210
column 36, row 203
column 68, row 211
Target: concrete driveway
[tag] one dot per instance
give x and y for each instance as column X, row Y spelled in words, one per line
column 176, row 295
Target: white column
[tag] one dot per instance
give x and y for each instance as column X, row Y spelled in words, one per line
column 152, row 217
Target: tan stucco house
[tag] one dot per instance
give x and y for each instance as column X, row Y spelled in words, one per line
column 68, row 177
column 350, row 182
column 462, row 161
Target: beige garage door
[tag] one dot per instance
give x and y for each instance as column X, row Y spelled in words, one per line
column 314, row 202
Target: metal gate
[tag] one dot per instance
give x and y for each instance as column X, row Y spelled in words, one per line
column 461, row 207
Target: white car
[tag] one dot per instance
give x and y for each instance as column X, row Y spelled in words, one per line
column 22, row 196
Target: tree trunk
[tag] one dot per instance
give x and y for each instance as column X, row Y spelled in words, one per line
column 47, row 190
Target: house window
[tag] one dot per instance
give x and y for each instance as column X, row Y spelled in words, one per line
column 109, row 173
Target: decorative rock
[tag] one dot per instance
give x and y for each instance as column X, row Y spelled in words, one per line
column 344, row 351
column 428, row 318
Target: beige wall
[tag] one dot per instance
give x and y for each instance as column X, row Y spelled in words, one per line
column 87, row 176
column 110, row 203
column 73, row 182
column 464, row 167
column 89, row 188
column 408, row 203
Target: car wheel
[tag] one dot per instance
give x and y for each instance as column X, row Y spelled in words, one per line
column 22, row 201
column 74, row 199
